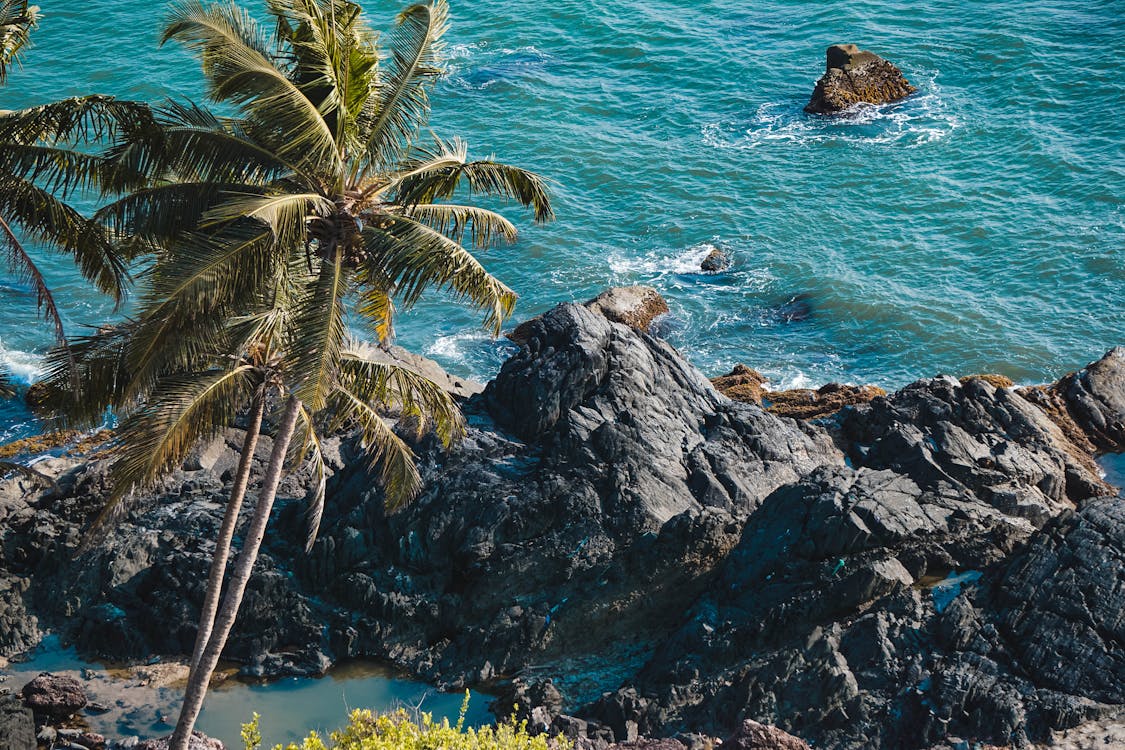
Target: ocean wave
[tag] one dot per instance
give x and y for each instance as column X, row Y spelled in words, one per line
column 926, row 117
column 24, row 367
column 479, row 66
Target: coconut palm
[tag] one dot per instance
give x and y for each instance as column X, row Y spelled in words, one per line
column 316, row 192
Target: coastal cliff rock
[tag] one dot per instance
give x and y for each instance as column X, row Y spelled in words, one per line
column 634, row 306
column 853, row 76
column 939, row 562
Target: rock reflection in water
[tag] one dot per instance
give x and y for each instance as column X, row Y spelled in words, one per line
column 142, row 701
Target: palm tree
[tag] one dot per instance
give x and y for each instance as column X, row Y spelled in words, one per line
column 318, row 190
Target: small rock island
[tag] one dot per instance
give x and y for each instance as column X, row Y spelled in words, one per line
column 854, row 76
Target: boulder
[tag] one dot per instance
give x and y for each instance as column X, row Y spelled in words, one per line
column 717, row 260
column 17, row 725
column 634, row 306
column 741, row 384
column 853, row 76
column 54, row 696
column 754, row 736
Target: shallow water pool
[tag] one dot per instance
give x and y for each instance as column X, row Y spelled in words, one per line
column 143, row 701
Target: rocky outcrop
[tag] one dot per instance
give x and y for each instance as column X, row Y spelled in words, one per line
column 634, row 306
column 54, row 696
column 748, row 385
column 854, row 76
column 717, row 260
column 933, row 563
column 17, row 725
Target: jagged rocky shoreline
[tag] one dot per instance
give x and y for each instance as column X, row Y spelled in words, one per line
column 626, row 552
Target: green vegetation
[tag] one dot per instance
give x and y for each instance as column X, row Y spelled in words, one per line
column 367, row 730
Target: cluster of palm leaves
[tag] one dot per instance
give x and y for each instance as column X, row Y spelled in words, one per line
column 314, row 205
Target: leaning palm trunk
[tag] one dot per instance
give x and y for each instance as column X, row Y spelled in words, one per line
column 201, row 672
column 226, row 532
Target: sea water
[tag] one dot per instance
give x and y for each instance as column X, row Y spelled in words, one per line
column 975, row 227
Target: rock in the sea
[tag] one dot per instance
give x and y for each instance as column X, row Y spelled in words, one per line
column 741, row 384
column 716, row 260
column 805, row 403
column 17, row 725
column 54, row 696
column 634, row 306
column 853, row 76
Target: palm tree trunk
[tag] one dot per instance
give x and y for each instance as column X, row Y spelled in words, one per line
column 200, row 676
column 226, row 531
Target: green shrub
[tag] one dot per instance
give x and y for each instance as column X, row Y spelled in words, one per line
column 399, row 730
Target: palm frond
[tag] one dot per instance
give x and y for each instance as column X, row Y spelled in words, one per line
column 20, row 263
column 484, row 228
column 17, row 19
column 443, row 171
column 367, row 375
column 386, row 451
column 82, row 380
column 414, row 256
column 41, row 215
column 285, row 214
column 180, row 411
column 376, row 303
column 402, row 105
column 306, row 449
column 241, row 70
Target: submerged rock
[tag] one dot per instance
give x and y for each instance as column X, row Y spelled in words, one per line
column 853, row 76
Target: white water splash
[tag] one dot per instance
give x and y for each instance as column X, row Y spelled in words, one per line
column 925, row 117
column 24, row 367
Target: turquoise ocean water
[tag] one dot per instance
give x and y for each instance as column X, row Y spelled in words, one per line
column 977, row 226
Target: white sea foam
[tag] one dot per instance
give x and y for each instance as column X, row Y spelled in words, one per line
column 24, row 367
column 454, row 346
column 925, row 117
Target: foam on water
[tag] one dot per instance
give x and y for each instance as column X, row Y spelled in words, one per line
column 24, row 367
column 924, row 117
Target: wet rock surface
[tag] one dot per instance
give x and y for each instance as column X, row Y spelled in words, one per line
column 854, row 76
column 941, row 562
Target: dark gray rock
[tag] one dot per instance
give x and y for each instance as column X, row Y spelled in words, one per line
column 17, row 725
column 933, row 564
column 717, row 260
